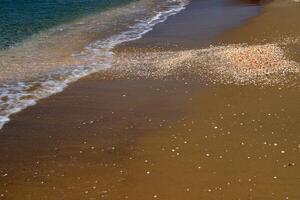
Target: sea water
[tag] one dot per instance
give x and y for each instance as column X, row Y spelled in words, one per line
column 45, row 45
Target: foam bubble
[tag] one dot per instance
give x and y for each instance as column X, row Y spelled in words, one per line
column 18, row 96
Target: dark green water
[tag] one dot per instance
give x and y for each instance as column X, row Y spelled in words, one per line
column 20, row 19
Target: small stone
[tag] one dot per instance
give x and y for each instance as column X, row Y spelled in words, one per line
column 290, row 164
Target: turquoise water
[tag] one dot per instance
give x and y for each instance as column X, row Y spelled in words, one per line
column 19, row 19
column 47, row 63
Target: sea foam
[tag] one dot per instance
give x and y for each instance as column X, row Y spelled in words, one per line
column 15, row 97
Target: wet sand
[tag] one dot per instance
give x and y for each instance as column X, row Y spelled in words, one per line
column 198, row 25
column 279, row 22
column 237, row 144
column 66, row 149
column 117, row 138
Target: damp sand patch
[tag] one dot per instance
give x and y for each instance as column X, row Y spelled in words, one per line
column 233, row 64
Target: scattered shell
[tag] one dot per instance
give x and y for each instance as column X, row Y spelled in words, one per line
column 232, row 64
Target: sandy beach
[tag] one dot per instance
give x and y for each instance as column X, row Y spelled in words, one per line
column 214, row 118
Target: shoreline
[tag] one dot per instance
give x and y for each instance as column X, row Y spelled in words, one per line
column 88, row 32
column 200, row 33
column 121, row 136
column 94, row 57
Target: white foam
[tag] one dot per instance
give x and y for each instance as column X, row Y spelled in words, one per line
column 18, row 96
